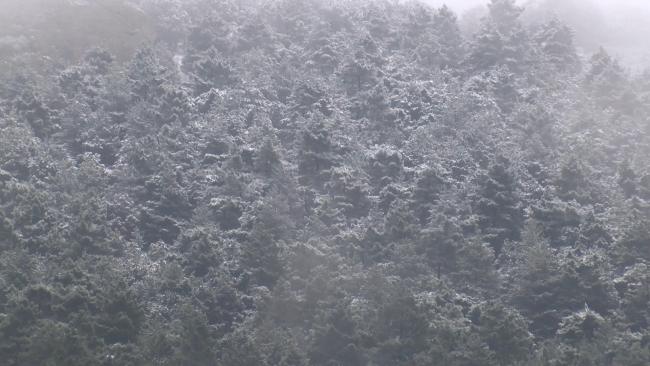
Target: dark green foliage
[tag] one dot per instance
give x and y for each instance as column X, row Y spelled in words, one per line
column 238, row 349
column 400, row 223
column 487, row 48
column 173, row 106
column 572, row 182
column 358, row 72
column 401, row 329
column 558, row 221
column 634, row 289
column 385, row 167
column 196, row 344
column 267, row 160
column 317, row 154
column 627, row 179
column 501, row 40
column 200, row 252
column 210, row 71
column 632, row 246
column 99, row 58
column 210, row 32
column 608, row 82
column 310, row 97
column 122, row 316
column 547, row 285
column 632, row 350
column 348, row 193
column 37, row 114
column 146, row 75
column 440, row 244
column 336, row 342
column 425, row 193
column 505, row 14
column 497, row 205
column 262, row 258
column 503, row 330
column 226, row 213
column 475, row 269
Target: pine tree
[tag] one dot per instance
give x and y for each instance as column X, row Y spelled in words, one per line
column 452, row 44
column 555, row 40
column 210, row 32
column 267, row 159
column 634, row 288
column 337, row 341
column 572, row 182
column 501, row 40
column 196, row 344
column 146, row 75
column 504, row 330
column 211, row 71
column 401, row 329
column 608, row 82
column 441, row 242
column 426, row 193
column 505, row 14
column 317, row 154
column 497, row 205
column 475, row 271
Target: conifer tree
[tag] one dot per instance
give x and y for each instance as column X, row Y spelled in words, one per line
column 453, row 46
column 211, row 71
column 497, row 205
column 337, row 341
column 555, row 40
column 502, row 39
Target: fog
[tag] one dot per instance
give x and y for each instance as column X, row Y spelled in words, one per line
column 620, row 26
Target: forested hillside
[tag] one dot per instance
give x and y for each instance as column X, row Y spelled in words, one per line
column 325, row 182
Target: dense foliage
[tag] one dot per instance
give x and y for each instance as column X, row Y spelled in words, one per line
column 307, row 182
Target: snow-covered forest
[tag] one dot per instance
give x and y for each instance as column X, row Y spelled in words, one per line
column 319, row 182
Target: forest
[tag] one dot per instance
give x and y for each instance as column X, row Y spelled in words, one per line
column 324, row 183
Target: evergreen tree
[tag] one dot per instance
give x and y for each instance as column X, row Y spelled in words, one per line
column 441, row 242
column 502, row 39
column 401, row 330
column 572, row 182
column 503, row 330
column 337, row 341
column 475, row 271
column 196, row 344
column 452, row 44
column 635, row 291
column 609, row 83
column 211, row 32
column 555, row 40
column 146, row 75
column 426, row 192
column 210, row 71
column 317, row 153
column 497, row 205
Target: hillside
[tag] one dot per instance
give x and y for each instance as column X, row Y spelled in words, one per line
column 307, row 182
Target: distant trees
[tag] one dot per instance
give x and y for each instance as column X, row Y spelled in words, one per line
column 502, row 39
column 313, row 183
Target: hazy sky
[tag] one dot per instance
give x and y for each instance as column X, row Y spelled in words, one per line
column 461, row 5
column 623, row 29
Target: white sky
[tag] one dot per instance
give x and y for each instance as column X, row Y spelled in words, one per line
column 460, row 6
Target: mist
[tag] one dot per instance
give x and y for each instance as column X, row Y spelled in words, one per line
column 324, row 182
column 619, row 26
